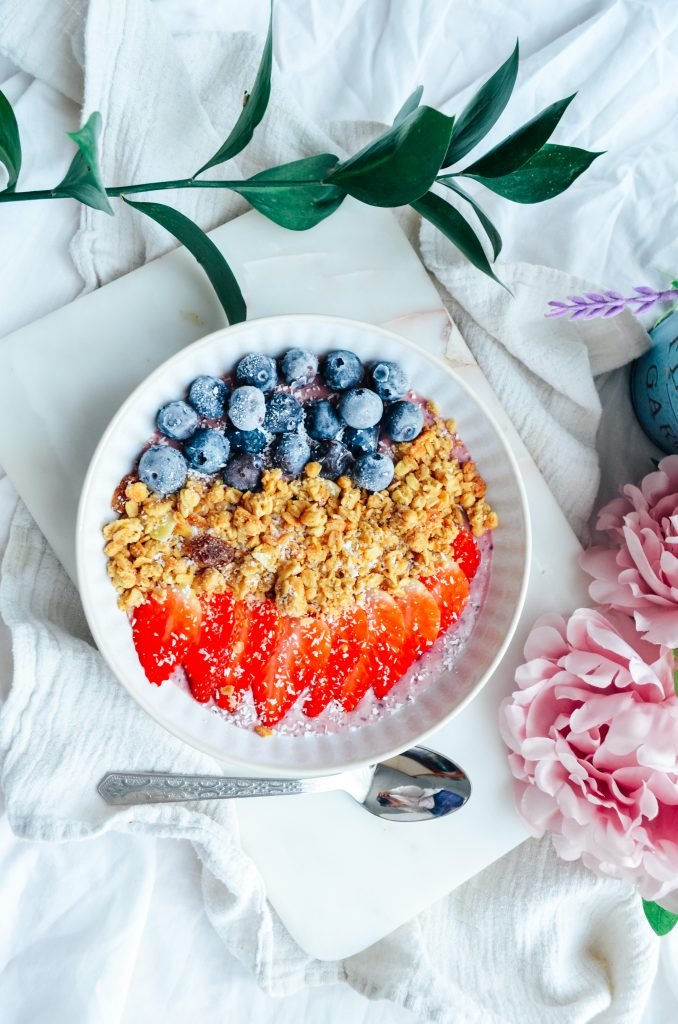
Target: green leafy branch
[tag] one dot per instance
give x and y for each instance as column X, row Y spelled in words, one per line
column 398, row 168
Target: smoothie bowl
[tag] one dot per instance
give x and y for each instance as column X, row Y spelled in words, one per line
column 302, row 544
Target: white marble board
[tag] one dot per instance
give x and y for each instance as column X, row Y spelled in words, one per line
column 339, row 878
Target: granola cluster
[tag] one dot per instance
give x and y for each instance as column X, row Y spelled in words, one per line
column 310, row 544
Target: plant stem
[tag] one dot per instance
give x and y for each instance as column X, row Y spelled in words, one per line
column 149, row 186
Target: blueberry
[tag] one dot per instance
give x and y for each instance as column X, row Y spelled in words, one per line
column 177, row 420
column 162, row 469
column 389, row 380
column 207, row 451
column 291, row 453
column 243, row 471
column 283, row 413
column 208, row 396
column 334, row 457
column 362, row 442
column 360, row 407
column 298, row 367
column 342, row 369
column 322, row 422
column 258, row 371
column 252, row 441
column 247, row 408
column 403, row 421
column 373, row 472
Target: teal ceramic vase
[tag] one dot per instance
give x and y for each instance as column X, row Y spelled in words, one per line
column 654, row 386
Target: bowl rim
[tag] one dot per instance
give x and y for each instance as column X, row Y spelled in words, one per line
column 232, row 760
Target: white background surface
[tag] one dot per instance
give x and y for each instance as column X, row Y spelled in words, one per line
column 72, row 915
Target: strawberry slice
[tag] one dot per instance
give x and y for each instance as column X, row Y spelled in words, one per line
column 209, row 664
column 421, row 614
column 317, row 646
column 231, row 658
column 278, row 686
column 466, row 553
column 450, row 589
column 260, row 643
column 379, row 664
column 204, row 663
column 347, row 641
column 164, row 629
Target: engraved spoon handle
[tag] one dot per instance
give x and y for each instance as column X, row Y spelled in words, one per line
column 159, row 787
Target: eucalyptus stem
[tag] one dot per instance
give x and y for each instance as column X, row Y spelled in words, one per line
column 150, row 186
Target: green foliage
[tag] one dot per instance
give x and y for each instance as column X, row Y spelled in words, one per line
column 661, row 921
column 457, row 229
column 517, row 149
column 490, row 230
column 545, row 175
column 400, row 165
column 294, row 195
column 254, row 107
column 206, row 253
column 83, row 180
column 484, row 110
column 10, row 144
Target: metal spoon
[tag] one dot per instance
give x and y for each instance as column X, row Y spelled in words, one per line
column 417, row 785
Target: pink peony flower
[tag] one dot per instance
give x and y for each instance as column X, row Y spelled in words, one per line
column 640, row 575
column 593, row 734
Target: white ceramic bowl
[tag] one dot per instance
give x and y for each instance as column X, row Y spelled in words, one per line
column 442, row 697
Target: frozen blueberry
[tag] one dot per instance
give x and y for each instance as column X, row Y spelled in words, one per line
column 283, row 413
column 361, row 442
column 291, row 453
column 334, row 457
column 322, row 422
column 208, row 396
column 177, row 420
column 298, row 367
column 360, row 407
column 373, row 472
column 207, row 451
column 162, row 469
column 252, row 441
column 342, row 369
column 389, row 380
column 403, row 421
column 247, row 408
column 243, row 471
column 258, row 371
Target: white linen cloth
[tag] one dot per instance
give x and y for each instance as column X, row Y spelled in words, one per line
column 437, row 966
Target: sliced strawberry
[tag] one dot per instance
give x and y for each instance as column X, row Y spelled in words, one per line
column 203, row 663
column 278, row 686
column 379, row 665
column 260, row 643
column 450, row 589
column 466, row 553
column 230, row 661
column 164, row 629
column 317, row 646
column 347, row 641
column 421, row 614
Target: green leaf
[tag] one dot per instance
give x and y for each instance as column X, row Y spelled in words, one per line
column 10, row 144
column 490, row 230
column 517, row 149
column 410, row 104
column 675, row 671
column 457, row 229
column 400, row 165
column 661, row 921
column 254, row 107
column 206, row 253
column 294, row 195
column 484, row 110
column 545, row 175
column 83, row 180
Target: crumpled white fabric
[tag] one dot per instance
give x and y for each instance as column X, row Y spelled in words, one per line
column 557, row 943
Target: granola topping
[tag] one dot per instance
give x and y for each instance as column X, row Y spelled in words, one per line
column 310, row 544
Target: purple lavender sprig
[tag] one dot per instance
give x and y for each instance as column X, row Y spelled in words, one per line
column 606, row 304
